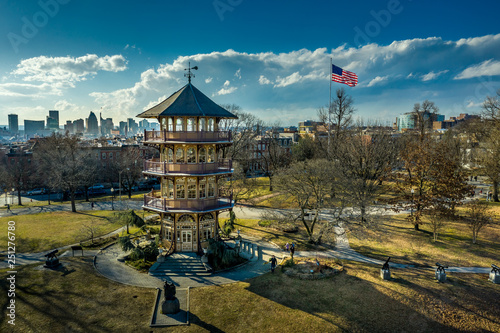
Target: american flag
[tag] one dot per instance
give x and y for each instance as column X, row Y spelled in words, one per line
column 342, row 76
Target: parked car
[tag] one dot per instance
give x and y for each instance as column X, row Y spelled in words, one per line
column 36, row 191
column 96, row 190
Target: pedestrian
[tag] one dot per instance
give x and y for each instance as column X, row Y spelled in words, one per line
column 481, row 191
column 489, row 195
column 8, row 208
column 475, row 178
column 292, row 250
column 287, row 247
column 273, row 263
column 92, row 205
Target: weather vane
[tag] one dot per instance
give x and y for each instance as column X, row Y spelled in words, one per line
column 189, row 74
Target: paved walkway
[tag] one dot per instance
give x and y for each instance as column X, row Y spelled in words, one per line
column 108, row 265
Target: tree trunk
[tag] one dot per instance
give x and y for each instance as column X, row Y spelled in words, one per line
column 415, row 225
column 270, row 183
column 48, row 198
column 363, row 213
column 495, row 191
column 19, row 201
column 73, row 205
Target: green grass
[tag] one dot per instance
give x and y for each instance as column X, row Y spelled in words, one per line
column 356, row 300
column 280, row 238
column 394, row 237
column 44, row 231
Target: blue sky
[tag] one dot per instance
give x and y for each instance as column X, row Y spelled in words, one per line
column 269, row 57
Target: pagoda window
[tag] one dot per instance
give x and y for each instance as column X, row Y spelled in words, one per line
column 179, row 125
column 170, row 124
column 211, row 187
column 163, row 124
column 167, row 188
column 210, row 124
column 203, row 124
column 211, row 155
column 202, row 188
column 170, row 155
column 191, row 125
column 202, row 155
column 191, row 155
column 179, row 155
column 180, row 188
column 191, row 188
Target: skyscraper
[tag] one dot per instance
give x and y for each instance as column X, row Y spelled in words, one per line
column 13, row 123
column 79, row 126
column 53, row 120
column 32, row 127
column 93, row 126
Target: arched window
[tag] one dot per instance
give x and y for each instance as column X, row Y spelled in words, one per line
column 203, row 124
column 211, row 155
column 186, row 218
column 170, row 124
column 210, row 124
column 202, row 155
column 207, row 217
column 180, row 188
column 191, row 155
column 170, row 155
column 163, row 123
column 191, row 125
column 179, row 155
column 202, row 188
column 179, row 125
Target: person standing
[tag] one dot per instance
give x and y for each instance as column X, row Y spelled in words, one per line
column 292, row 250
column 274, row 262
column 287, row 247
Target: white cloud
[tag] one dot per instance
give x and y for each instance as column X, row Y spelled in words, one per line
column 28, row 90
column 208, row 80
column 238, row 73
column 264, row 80
column 286, row 81
column 377, row 80
column 486, row 68
column 226, row 89
column 431, row 75
column 67, row 69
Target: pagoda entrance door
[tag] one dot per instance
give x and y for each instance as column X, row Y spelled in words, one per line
column 187, row 240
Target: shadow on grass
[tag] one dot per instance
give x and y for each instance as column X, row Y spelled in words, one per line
column 351, row 302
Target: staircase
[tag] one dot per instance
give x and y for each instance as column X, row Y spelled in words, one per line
column 179, row 264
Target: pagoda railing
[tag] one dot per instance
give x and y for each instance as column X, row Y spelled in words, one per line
column 202, row 136
column 155, row 201
column 158, row 167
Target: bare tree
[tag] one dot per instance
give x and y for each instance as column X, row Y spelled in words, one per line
column 246, row 128
column 90, row 231
column 436, row 221
column 425, row 114
column 364, row 160
column 65, row 165
column 275, row 156
column 489, row 156
column 477, row 217
column 314, row 187
column 19, row 174
column 130, row 164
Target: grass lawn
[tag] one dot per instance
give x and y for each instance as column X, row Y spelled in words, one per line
column 45, row 231
column 393, row 236
column 356, row 300
column 251, row 227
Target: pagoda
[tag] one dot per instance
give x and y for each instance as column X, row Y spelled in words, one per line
column 190, row 168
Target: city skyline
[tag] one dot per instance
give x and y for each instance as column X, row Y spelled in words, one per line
column 248, row 53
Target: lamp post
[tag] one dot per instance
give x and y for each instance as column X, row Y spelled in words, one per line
column 412, row 201
column 112, row 198
column 12, row 196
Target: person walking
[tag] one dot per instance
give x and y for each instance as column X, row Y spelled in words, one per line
column 8, row 208
column 292, row 250
column 287, row 247
column 274, row 262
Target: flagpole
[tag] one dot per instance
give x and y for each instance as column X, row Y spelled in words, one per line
column 330, row 106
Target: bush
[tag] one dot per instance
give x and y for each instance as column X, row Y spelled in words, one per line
column 221, row 257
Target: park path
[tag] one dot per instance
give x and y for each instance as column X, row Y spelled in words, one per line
column 108, row 265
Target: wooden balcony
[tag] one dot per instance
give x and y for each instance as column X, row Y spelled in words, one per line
column 154, row 202
column 186, row 137
column 155, row 167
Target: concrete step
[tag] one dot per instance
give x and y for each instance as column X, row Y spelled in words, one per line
column 179, row 265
